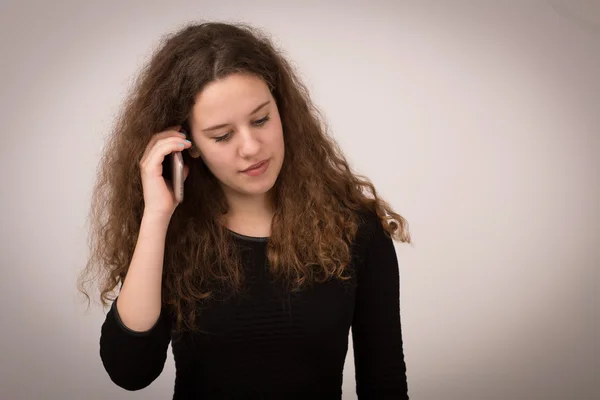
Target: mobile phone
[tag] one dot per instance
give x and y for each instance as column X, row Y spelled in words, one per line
column 173, row 173
column 177, row 172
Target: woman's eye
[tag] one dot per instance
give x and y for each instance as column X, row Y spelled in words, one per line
column 223, row 138
column 261, row 121
column 258, row 123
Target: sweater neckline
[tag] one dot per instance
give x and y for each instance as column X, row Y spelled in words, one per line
column 251, row 238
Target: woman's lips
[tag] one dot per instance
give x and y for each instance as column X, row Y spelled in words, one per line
column 258, row 170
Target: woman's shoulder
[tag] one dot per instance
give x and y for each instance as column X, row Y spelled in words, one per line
column 368, row 223
column 369, row 227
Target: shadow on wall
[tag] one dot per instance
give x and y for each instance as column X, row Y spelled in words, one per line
column 583, row 13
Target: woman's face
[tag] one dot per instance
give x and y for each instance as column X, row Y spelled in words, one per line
column 235, row 124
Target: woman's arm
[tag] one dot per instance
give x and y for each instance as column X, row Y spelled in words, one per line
column 136, row 333
column 134, row 359
column 376, row 331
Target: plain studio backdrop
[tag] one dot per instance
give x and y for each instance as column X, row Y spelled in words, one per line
column 478, row 121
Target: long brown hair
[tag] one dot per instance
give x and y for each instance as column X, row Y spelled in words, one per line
column 316, row 195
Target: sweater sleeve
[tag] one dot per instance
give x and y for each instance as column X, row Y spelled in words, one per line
column 133, row 360
column 376, row 331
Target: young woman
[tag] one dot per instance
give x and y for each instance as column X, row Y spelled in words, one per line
column 275, row 253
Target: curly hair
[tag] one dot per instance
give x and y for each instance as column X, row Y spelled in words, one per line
column 318, row 199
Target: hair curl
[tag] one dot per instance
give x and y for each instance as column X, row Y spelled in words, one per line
column 317, row 196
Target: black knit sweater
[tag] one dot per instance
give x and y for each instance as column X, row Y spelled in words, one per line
column 272, row 344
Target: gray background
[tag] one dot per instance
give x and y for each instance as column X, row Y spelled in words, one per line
column 478, row 120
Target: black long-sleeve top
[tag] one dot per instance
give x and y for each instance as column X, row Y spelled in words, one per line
column 273, row 344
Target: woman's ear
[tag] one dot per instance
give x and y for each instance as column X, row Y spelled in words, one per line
column 193, row 152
